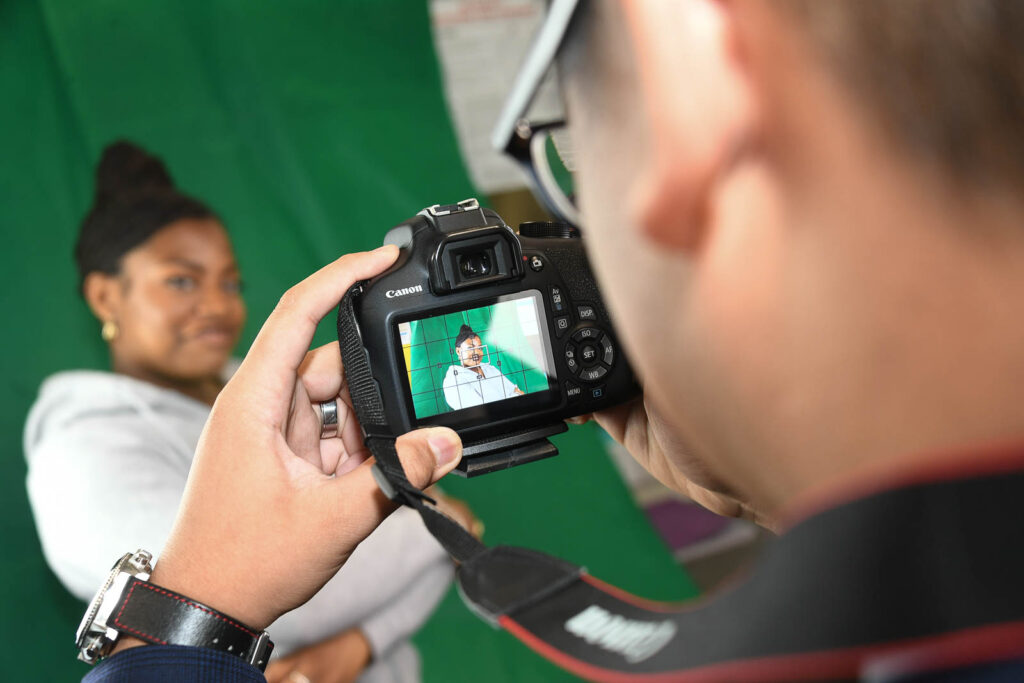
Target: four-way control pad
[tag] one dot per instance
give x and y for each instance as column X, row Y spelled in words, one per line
column 590, row 354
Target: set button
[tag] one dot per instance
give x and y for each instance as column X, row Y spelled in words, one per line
column 589, row 354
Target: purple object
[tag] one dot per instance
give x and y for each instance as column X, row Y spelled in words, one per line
column 682, row 524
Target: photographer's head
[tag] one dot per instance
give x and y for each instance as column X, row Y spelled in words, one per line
column 157, row 269
column 469, row 347
column 813, row 210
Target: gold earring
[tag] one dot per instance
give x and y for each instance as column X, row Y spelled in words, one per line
column 109, row 331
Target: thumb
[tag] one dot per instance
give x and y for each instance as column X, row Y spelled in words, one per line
column 357, row 505
column 428, row 454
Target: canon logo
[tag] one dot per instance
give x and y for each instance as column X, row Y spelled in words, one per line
column 392, row 293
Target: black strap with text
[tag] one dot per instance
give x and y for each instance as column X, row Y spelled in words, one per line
column 806, row 613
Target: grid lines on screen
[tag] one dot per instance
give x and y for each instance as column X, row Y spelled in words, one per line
column 510, row 357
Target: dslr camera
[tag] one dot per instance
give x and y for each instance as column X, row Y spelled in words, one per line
column 496, row 334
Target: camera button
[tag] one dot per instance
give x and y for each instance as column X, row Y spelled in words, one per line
column 593, row 374
column 588, row 352
column 607, row 351
column 557, row 300
column 573, row 392
column 562, row 324
column 597, row 392
column 570, row 359
column 586, row 313
column 536, row 263
column 586, row 333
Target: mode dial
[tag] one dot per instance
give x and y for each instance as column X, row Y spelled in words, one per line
column 548, row 229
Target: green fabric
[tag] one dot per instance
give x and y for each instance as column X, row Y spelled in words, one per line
column 311, row 128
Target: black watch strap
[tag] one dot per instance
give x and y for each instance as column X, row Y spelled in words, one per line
column 157, row 615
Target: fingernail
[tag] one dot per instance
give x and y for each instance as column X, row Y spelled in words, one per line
column 444, row 445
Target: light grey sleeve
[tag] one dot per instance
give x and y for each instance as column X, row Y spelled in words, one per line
column 406, row 613
column 451, row 389
column 382, row 577
column 508, row 386
column 98, row 491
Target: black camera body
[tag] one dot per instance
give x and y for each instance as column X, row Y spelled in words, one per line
column 498, row 335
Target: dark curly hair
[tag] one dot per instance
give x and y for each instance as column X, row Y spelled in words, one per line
column 135, row 197
column 465, row 332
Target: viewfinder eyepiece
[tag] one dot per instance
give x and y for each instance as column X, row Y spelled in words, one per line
column 475, row 265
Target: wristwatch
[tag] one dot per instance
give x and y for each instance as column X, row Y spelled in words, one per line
column 128, row 603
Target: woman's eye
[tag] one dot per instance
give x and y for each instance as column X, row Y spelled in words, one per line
column 232, row 286
column 181, row 282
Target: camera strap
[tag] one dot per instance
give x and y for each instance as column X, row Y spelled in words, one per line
column 815, row 608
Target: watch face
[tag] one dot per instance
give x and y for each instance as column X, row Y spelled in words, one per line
column 94, row 606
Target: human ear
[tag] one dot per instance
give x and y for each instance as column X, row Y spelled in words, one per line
column 699, row 108
column 102, row 293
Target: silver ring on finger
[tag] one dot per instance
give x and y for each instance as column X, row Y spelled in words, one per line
column 329, row 419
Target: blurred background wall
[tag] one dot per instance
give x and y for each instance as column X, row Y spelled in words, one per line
column 310, row 127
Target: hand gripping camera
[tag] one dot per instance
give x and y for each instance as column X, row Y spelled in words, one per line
column 498, row 335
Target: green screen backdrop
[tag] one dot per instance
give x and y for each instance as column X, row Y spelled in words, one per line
column 311, row 127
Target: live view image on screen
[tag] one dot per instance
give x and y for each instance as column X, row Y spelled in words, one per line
column 472, row 357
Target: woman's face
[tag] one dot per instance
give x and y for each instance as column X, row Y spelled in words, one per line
column 179, row 309
column 471, row 352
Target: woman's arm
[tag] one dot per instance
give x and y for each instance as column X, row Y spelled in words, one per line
column 340, row 659
column 381, row 575
column 98, row 489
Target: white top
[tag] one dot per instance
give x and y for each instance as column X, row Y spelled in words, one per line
column 108, row 456
column 464, row 388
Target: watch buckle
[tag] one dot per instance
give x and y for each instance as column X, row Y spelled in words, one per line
column 261, row 650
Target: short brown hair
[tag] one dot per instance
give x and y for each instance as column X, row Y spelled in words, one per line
column 944, row 78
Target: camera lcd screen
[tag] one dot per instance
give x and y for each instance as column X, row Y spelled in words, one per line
column 478, row 356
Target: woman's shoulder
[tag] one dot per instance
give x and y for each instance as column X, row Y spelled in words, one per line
column 92, row 388
column 92, row 399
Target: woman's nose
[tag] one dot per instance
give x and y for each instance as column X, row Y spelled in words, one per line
column 215, row 300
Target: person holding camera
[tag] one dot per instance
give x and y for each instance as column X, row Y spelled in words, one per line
column 806, row 221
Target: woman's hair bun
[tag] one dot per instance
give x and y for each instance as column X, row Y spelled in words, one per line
column 126, row 170
column 134, row 198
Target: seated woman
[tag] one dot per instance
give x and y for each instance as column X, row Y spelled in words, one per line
column 109, row 452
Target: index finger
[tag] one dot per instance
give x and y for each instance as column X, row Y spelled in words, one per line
column 282, row 342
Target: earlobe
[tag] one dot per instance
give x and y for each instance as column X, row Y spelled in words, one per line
column 103, row 295
column 698, row 103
